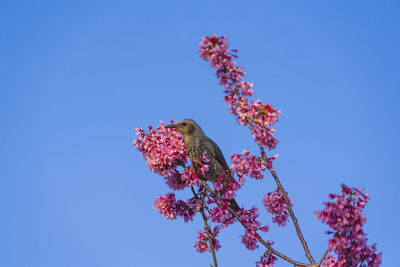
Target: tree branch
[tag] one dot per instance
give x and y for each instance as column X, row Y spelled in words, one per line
column 323, row 258
column 282, row 256
column 209, row 237
column 294, row 219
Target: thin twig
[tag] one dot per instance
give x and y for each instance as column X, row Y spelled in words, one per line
column 210, row 239
column 323, row 258
column 273, row 251
column 294, row 219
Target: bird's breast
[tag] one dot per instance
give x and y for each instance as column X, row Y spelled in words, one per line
column 194, row 150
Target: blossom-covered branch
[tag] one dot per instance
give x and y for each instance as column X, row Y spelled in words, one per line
column 344, row 215
column 237, row 92
column 253, row 114
column 254, row 235
column 164, row 150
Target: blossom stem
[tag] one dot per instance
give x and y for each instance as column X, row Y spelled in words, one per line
column 262, row 241
column 323, row 258
column 294, row 219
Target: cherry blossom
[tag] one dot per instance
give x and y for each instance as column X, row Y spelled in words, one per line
column 329, row 261
column 162, row 148
column 202, row 245
column 344, row 215
column 170, row 208
column 275, row 204
column 267, row 259
column 249, row 219
column 166, row 205
column 221, row 214
column 247, row 165
column 258, row 116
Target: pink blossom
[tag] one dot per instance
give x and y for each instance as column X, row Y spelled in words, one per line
column 262, row 115
column 267, row 259
column 174, row 181
column 170, row 208
column 228, row 194
column 218, row 186
column 162, row 148
column 329, row 261
column 186, row 210
column 250, row 237
column 344, row 214
column 166, row 205
column 275, row 204
column 180, row 180
column 222, row 215
column 264, row 136
column 204, row 167
column 215, row 50
column 202, row 244
column 245, row 165
column 189, row 176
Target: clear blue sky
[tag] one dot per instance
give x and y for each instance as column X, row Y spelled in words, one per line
column 78, row 76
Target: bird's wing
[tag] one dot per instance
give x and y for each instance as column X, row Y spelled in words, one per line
column 215, row 152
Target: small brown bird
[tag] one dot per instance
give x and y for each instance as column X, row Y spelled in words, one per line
column 196, row 144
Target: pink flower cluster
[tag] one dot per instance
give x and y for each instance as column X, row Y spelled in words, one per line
column 162, row 148
column 188, row 177
column 329, row 261
column 174, row 180
column 170, row 208
column 275, row 204
column 344, row 214
column 221, row 215
column 250, row 237
column 259, row 117
column 204, row 167
column 202, row 245
column 246, row 164
column 267, row 259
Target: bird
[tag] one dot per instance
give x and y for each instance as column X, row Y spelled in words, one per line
column 198, row 144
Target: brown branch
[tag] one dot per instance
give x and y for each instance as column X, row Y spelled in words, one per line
column 273, row 251
column 209, row 237
column 323, row 258
column 294, row 219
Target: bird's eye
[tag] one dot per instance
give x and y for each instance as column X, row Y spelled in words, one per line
column 183, row 123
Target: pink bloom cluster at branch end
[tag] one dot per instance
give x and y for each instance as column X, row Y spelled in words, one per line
column 344, row 215
column 275, row 204
column 258, row 116
column 250, row 237
column 267, row 259
column 162, row 148
column 202, row 244
column 171, row 208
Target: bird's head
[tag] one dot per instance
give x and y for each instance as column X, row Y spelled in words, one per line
column 187, row 127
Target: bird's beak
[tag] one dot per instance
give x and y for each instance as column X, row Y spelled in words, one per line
column 170, row 126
